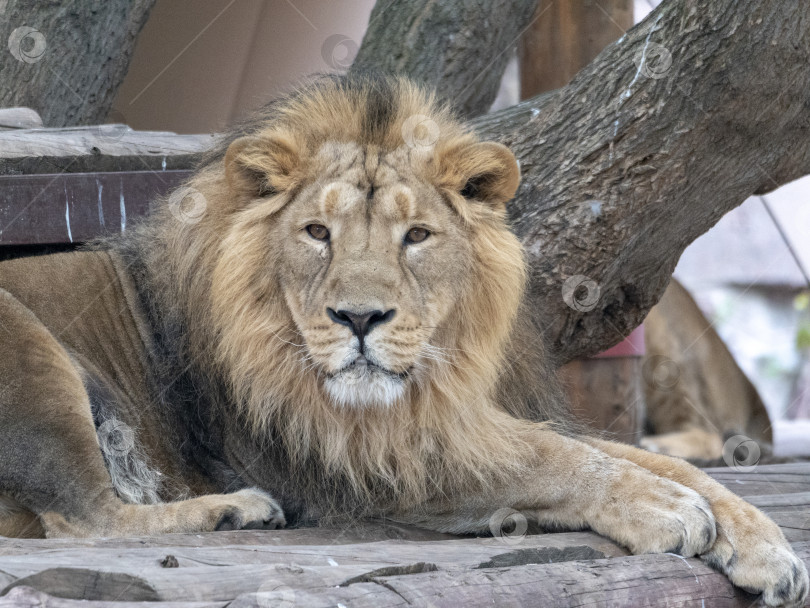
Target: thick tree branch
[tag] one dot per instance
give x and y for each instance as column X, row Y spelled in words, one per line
column 66, row 60
column 637, row 156
column 459, row 47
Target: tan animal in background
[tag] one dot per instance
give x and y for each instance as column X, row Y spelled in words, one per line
column 326, row 320
column 697, row 397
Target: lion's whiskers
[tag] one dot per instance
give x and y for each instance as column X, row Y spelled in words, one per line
column 435, row 353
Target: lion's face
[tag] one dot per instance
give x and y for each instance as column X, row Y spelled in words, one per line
column 371, row 263
column 383, row 259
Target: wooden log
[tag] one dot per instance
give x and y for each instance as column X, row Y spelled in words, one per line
column 97, row 148
column 109, row 139
column 644, row 580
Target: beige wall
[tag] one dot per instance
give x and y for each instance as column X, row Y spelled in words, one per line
column 200, row 64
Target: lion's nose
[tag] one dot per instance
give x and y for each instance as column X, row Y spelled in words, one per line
column 361, row 323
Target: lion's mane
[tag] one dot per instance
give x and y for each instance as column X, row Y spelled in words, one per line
column 228, row 351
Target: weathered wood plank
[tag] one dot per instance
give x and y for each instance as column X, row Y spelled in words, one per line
column 797, row 500
column 109, row 140
column 765, row 479
column 71, row 208
column 96, row 148
column 466, row 553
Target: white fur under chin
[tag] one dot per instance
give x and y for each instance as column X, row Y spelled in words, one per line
column 364, row 386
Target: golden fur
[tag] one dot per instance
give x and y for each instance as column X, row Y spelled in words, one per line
column 696, row 395
column 251, row 358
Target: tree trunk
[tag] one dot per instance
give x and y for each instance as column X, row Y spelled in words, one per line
column 679, row 121
column 459, row 47
column 67, row 59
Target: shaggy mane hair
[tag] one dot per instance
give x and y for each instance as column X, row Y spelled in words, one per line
column 228, row 350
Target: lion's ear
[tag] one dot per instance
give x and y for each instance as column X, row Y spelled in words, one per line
column 257, row 166
column 486, row 172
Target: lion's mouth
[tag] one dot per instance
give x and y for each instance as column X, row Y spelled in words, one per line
column 363, row 383
column 362, row 368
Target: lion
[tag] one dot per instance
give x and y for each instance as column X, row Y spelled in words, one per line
column 697, row 397
column 327, row 320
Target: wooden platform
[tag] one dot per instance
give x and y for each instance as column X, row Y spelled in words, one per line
column 375, row 564
column 59, row 187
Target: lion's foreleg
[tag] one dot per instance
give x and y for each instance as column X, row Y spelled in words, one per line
column 750, row 548
column 248, row 508
column 569, row 484
column 53, row 478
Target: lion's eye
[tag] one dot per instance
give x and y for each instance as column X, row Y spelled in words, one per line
column 318, row 232
column 416, row 235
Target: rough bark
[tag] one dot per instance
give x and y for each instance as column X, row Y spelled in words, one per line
column 67, row 59
column 460, row 47
column 695, row 109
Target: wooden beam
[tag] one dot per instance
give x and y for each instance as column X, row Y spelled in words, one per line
column 74, row 207
column 565, row 37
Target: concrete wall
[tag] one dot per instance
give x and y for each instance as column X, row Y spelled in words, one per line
column 201, row 64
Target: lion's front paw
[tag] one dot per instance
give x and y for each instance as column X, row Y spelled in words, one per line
column 753, row 553
column 250, row 509
column 651, row 514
